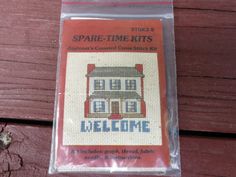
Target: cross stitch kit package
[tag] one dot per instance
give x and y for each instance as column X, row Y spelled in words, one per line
column 116, row 105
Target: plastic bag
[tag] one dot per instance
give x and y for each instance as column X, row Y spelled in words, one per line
column 116, row 104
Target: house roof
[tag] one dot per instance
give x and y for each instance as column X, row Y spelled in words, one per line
column 115, row 72
column 115, row 94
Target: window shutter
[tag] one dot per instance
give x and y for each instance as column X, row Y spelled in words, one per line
column 103, row 84
column 94, row 106
column 135, row 106
column 119, row 84
column 94, row 84
column 111, row 84
column 134, row 84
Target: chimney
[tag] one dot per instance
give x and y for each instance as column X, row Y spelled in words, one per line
column 90, row 68
column 139, row 68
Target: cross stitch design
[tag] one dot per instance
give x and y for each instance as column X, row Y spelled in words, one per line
column 115, row 92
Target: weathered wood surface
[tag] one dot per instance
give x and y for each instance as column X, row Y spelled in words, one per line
column 216, row 5
column 206, row 67
column 205, row 45
column 29, row 151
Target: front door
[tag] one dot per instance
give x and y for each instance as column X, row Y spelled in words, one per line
column 115, row 107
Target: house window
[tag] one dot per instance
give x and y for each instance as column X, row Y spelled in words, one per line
column 115, row 84
column 99, row 106
column 99, row 84
column 131, row 106
column 130, row 84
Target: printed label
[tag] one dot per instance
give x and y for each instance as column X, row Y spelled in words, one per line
column 111, row 109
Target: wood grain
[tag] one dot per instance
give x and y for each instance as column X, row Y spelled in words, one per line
column 206, row 105
column 28, row 154
column 205, row 33
column 215, row 5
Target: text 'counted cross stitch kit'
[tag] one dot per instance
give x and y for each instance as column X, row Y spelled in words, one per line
column 116, row 107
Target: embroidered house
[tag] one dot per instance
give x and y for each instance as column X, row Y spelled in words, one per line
column 115, row 92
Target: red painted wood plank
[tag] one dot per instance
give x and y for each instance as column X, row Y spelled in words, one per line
column 34, row 9
column 207, row 104
column 28, row 154
column 205, row 45
column 27, row 84
column 206, row 52
column 220, row 5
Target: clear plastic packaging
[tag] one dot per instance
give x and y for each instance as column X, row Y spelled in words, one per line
column 116, row 100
